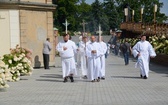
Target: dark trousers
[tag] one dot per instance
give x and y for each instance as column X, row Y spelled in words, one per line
column 46, row 61
column 126, row 57
column 116, row 50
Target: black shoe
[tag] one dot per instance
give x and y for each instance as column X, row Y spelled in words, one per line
column 102, row 78
column 71, row 78
column 141, row 76
column 85, row 77
column 145, row 77
column 65, row 80
column 93, row 81
column 98, row 80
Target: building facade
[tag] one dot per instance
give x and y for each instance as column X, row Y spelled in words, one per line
column 27, row 23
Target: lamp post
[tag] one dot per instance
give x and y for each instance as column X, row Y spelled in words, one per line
column 142, row 9
column 126, row 13
column 155, row 10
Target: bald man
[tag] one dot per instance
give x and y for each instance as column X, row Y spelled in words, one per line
column 93, row 52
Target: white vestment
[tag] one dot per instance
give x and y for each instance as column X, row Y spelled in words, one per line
column 93, row 60
column 67, row 57
column 103, row 47
column 146, row 51
column 83, row 57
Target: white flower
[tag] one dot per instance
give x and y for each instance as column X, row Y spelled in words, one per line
column 7, row 75
column 14, row 78
column 2, row 75
column 15, row 58
column 6, row 66
column 1, row 80
column 24, row 60
column 20, row 64
column 10, row 61
column 12, row 71
column 2, row 64
column 17, row 79
column 30, row 73
column 6, row 86
column 7, row 70
column 1, row 86
column 23, row 55
column 31, row 68
column 1, row 70
column 1, row 57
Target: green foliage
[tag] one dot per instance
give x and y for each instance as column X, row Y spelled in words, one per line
column 110, row 13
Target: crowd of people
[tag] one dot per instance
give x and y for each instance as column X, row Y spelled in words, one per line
column 91, row 58
column 90, row 54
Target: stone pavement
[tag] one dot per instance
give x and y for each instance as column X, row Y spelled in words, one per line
column 123, row 86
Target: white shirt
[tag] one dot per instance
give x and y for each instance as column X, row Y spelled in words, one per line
column 69, row 52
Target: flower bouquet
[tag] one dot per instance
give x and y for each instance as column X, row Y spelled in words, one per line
column 5, row 75
column 19, row 62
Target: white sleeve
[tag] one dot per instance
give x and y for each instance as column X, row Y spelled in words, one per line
column 151, row 51
column 105, row 48
column 135, row 50
column 99, row 50
column 59, row 48
column 88, row 51
column 74, row 47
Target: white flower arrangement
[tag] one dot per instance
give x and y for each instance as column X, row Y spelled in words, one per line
column 18, row 63
column 4, row 75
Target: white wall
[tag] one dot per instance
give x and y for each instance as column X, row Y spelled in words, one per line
column 5, row 41
column 9, row 30
column 14, row 28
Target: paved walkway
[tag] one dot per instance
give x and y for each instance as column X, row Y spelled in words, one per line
column 122, row 86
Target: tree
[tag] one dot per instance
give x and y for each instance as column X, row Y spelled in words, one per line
column 112, row 14
column 84, row 13
column 65, row 10
column 148, row 6
column 99, row 17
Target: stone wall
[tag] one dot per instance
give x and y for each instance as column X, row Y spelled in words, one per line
column 29, row 23
column 4, row 32
column 36, row 26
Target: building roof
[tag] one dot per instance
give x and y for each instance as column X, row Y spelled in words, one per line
column 17, row 4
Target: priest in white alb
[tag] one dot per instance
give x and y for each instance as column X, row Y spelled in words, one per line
column 144, row 51
column 83, row 57
column 103, row 47
column 67, row 49
column 93, row 52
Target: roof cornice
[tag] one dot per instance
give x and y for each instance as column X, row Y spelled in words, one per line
column 27, row 6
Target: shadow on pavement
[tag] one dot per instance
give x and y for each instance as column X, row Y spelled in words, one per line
column 24, row 79
column 49, row 80
column 49, row 77
column 127, row 77
column 158, row 68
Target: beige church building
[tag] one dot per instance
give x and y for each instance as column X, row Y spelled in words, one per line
column 27, row 23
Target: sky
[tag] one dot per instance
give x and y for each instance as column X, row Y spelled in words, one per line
column 163, row 10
